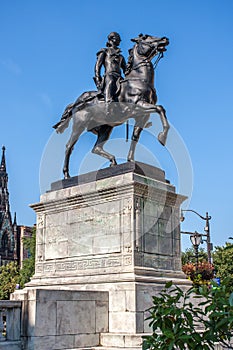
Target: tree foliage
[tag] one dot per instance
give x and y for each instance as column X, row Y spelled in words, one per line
column 188, row 256
column 223, row 262
column 28, row 268
column 9, row 277
column 177, row 322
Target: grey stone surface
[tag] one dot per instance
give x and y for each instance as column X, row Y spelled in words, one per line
column 82, row 320
column 85, row 340
column 62, row 319
column 118, row 234
column 11, row 345
column 101, row 316
column 121, row 340
column 108, row 227
column 12, row 311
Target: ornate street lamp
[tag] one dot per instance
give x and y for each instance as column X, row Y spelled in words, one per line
column 206, row 229
column 196, row 240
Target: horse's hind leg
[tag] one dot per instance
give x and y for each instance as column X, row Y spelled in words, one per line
column 69, row 148
column 162, row 137
column 134, row 140
column 103, row 133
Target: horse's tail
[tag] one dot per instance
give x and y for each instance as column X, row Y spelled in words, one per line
column 81, row 102
column 65, row 119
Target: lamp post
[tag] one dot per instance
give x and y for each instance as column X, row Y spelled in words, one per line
column 206, row 229
column 196, row 240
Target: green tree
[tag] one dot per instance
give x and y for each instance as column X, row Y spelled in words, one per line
column 28, row 268
column 9, row 277
column 188, row 256
column 223, row 262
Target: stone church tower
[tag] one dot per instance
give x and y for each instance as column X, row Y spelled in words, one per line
column 8, row 230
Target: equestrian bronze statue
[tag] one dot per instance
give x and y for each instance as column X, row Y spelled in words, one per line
column 131, row 97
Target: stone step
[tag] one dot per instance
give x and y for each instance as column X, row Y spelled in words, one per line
column 217, row 347
column 121, row 340
column 105, row 348
column 114, row 348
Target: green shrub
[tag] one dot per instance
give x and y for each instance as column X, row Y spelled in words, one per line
column 193, row 320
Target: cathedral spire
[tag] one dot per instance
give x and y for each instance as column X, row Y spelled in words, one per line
column 15, row 221
column 4, row 195
column 8, row 232
column 3, row 162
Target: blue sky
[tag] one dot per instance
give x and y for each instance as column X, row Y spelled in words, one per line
column 48, row 51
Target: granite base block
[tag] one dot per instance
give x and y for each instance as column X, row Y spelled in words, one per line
column 63, row 319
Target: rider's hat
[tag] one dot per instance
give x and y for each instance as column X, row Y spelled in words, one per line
column 112, row 34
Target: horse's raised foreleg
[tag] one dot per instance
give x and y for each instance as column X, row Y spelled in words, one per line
column 162, row 137
column 104, row 133
column 69, row 148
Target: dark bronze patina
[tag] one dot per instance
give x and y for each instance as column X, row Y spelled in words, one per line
column 113, row 62
column 118, row 99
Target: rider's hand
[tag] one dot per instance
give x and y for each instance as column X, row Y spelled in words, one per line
column 98, row 82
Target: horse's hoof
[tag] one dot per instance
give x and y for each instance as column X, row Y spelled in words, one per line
column 66, row 175
column 162, row 137
column 113, row 163
column 130, row 157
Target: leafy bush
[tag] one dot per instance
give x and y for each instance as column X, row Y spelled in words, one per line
column 191, row 320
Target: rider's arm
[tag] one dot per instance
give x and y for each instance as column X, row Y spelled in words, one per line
column 100, row 61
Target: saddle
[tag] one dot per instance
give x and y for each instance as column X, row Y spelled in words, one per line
column 79, row 104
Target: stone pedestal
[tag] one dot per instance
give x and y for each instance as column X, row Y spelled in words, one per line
column 109, row 226
column 115, row 230
column 62, row 319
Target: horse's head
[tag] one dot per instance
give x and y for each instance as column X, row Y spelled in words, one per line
column 150, row 46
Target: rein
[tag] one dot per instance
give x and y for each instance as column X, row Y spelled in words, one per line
column 157, row 60
column 146, row 61
column 143, row 63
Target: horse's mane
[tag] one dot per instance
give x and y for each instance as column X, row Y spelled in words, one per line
column 130, row 61
column 130, row 58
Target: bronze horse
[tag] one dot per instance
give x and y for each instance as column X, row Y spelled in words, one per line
column 137, row 99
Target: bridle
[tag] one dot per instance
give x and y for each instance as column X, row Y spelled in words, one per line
column 146, row 60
